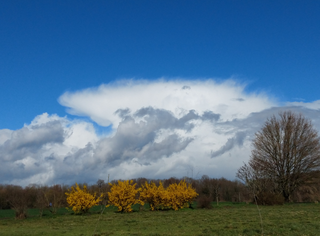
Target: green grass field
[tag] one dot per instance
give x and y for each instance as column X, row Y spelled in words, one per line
column 225, row 219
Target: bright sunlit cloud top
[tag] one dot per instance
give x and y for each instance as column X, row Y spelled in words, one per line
column 178, row 96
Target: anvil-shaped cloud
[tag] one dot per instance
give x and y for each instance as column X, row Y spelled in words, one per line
column 159, row 129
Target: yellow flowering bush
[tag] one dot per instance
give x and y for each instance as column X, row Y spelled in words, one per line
column 123, row 195
column 80, row 200
column 181, row 195
column 176, row 196
column 153, row 195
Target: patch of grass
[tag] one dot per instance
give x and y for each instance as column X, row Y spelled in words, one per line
column 224, row 219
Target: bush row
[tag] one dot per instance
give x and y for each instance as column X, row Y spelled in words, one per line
column 124, row 194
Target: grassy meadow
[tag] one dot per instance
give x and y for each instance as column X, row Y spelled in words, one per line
column 225, row 219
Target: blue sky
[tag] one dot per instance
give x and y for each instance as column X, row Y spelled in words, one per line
column 49, row 47
column 57, row 55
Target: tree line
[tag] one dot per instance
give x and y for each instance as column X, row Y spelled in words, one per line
column 209, row 190
column 283, row 167
column 54, row 197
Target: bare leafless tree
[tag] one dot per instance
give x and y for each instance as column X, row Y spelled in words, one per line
column 18, row 199
column 286, row 153
column 42, row 201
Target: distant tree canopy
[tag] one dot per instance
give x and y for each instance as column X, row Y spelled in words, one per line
column 285, row 156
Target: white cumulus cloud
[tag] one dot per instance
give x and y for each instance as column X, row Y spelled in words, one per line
column 160, row 129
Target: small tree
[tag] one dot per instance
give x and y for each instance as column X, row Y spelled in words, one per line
column 80, row 200
column 41, row 201
column 286, row 153
column 123, row 195
column 18, row 201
